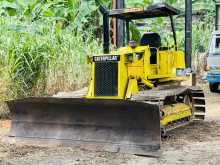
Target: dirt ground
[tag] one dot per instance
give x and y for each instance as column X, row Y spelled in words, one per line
column 198, row 143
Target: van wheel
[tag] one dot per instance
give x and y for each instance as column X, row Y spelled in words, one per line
column 213, row 87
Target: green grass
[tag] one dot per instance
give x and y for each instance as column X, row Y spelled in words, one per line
column 40, row 59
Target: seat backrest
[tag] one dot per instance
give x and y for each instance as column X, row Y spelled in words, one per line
column 151, row 39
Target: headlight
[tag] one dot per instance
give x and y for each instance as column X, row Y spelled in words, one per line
column 139, row 55
column 129, row 57
column 133, row 44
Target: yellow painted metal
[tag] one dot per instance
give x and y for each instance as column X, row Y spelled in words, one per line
column 135, row 70
column 175, row 112
column 139, row 68
column 181, row 78
column 148, row 83
column 132, row 88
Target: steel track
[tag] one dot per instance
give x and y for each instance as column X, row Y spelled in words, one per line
column 161, row 95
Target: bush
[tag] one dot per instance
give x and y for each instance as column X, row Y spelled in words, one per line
column 41, row 58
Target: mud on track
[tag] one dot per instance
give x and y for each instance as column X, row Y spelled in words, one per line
column 198, row 143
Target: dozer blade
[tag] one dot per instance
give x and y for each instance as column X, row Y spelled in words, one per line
column 101, row 125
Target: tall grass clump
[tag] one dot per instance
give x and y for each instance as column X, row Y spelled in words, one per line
column 41, row 58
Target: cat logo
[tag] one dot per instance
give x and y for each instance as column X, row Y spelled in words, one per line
column 109, row 58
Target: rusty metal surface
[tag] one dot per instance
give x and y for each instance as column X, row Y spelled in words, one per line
column 152, row 11
column 103, row 125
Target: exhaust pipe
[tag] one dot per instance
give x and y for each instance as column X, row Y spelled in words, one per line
column 119, row 25
column 106, row 32
column 188, row 33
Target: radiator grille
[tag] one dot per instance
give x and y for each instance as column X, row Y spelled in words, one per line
column 106, row 79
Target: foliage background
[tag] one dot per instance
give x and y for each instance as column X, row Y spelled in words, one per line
column 44, row 43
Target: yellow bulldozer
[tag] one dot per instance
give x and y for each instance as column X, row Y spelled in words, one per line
column 134, row 98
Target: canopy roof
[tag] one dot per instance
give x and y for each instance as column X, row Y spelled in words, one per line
column 152, row 11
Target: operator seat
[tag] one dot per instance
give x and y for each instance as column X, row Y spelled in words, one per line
column 154, row 41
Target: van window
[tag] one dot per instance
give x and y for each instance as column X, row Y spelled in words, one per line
column 215, row 46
